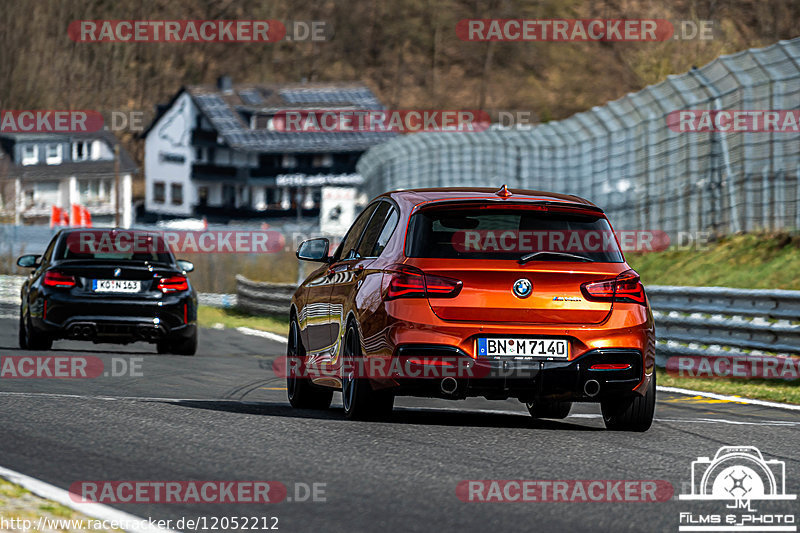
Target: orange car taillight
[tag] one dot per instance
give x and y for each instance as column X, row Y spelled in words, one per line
column 58, row 280
column 610, row 366
column 173, row 284
column 408, row 282
column 624, row 288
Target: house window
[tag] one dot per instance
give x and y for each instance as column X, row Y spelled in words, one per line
column 202, row 196
column 53, row 154
column 289, row 161
column 176, row 193
column 199, row 154
column 91, row 191
column 80, row 151
column 159, row 192
column 29, row 196
column 30, row 154
column 323, row 160
column 95, row 150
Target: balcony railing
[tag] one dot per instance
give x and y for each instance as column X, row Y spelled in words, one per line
column 229, row 173
column 218, row 172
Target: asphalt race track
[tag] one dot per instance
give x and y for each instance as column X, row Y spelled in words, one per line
column 223, row 415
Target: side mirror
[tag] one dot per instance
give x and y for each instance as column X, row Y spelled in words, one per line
column 314, row 250
column 29, row 261
column 186, row 266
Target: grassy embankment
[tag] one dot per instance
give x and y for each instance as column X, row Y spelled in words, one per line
column 753, row 261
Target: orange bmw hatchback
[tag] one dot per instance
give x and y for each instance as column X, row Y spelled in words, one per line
column 453, row 293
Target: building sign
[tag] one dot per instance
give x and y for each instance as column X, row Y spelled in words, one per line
column 171, row 158
column 319, row 180
column 337, row 210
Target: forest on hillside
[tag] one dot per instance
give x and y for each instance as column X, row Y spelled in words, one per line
column 407, row 52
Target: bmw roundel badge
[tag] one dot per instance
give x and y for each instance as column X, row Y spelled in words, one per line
column 523, row 288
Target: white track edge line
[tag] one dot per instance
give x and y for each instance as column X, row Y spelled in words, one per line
column 95, row 510
column 728, row 398
column 265, row 334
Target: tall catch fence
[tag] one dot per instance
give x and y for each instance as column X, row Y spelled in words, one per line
column 624, row 157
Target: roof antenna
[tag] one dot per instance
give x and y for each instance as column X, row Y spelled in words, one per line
column 503, row 192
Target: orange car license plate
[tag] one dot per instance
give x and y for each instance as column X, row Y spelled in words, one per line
column 522, row 347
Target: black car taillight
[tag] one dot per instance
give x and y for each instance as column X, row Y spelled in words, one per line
column 173, row 284
column 624, row 288
column 53, row 278
column 410, row 282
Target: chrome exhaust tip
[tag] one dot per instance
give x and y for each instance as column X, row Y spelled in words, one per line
column 591, row 388
column 449, row 385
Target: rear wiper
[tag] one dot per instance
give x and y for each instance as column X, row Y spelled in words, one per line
column 525, row 258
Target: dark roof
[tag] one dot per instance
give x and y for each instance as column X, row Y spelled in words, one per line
column 80, row 168
column 223, row 110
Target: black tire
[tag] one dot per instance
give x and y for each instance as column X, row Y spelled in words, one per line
column 22, row 335
column 549, row 409
column 301, row 392
column 34, row 339
column 632, row 413
column 186, row 346
column 360, row 401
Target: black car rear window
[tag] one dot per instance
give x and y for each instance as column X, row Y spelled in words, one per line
column 110, row 246
column 470, row 233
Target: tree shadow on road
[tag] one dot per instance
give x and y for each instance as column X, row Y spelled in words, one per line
column 400, row 415
column 110, row 350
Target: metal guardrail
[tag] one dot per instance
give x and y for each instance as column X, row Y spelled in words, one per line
column 9, row 288
column 689, row 320
column 210, row 299
column 262, row 298
column 723, row 321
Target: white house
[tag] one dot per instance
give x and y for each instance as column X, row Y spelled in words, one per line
column 214, row 150
column 42, row 170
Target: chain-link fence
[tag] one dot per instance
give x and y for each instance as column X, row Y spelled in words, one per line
column 625, row 158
